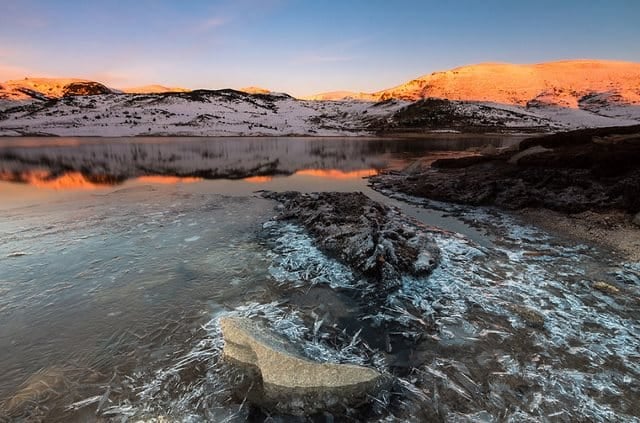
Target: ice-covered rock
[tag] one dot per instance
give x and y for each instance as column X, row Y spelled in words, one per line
column 376, row 241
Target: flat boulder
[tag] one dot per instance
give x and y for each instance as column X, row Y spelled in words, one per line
column 284, row 380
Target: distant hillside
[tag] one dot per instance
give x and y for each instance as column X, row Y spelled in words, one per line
column 255, row 90
column 567, row 84
column 193, row 113
column 491, row 97
column 343, row 95
column 153, row 89
column 49, row 88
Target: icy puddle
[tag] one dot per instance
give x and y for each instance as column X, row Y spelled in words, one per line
column 110, row 300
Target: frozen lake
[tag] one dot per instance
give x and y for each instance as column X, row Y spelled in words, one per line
column 117, row 257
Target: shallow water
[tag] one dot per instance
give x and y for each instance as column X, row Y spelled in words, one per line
column 112, row 284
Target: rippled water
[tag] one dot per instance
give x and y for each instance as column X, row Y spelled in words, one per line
column 110, row 296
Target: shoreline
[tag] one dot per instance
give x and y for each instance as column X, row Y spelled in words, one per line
column 611, row 230
column 583, row 185
column 360, row 135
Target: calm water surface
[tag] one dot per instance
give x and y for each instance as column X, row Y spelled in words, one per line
column 118, row 255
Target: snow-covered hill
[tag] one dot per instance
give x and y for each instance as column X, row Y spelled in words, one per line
column 195, row 113
column 235, row 113
column 563, row 83
column 49, row 88
column 485, row 98
column 344, row 95
column 472, row 116
column 255, row 90
column 149, row 89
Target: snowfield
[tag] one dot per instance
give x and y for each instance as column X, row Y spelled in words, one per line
column 236, row 113
column 197, row 113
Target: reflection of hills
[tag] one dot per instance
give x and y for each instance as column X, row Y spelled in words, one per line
column 57, row 180
column 78, row 181
column 100, row 162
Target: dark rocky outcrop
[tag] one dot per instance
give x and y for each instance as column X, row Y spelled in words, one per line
column 85, row 88
column 594, row 169
column 436, row 114
column 577, row 137
column 373, row 239
column 34, row 94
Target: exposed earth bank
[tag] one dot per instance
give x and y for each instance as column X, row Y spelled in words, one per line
column 585, row 183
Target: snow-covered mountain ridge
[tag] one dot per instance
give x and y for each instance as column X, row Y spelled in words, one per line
column 194, row 113
column 563, row 83
column 482, row 98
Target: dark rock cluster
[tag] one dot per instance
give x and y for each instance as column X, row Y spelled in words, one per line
column 85, row 88
column 374, row 240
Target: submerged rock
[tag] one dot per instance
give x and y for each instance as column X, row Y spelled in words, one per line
column 287, row 382
column 373, row 239
column 606, row 288
column 636, row 220
column 40, row 386
column 531, row 317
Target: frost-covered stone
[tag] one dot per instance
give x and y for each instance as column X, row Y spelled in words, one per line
column 375, row 240
column 286, row 381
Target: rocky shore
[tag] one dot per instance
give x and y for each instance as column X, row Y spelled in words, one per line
column 382, row 247
column 589, row 178
column 584, row 185
column 614, row 230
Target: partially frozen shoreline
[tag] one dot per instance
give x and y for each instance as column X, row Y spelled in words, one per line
column 611, row 230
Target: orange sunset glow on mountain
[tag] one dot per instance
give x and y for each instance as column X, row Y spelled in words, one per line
column 555, row 83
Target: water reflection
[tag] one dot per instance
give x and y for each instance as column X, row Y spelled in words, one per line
column 337, row 174
column 167, row 180
column 88, row 163
column 258, row 179
column 44, row 179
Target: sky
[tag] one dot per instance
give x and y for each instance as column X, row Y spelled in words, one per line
column 301, row 46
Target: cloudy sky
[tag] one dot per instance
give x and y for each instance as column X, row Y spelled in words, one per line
column 301, row 46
